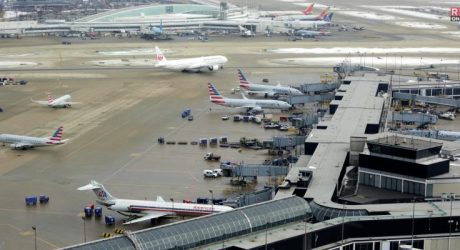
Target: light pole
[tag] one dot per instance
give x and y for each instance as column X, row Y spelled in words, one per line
column 451, row 197
column 212, row 200
column 35, row 236
column 413, row 223
column 305, row 236
column 343, row 224
column 84, row 228
column 172, row 204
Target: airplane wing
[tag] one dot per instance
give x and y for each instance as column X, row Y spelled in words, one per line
column 148, row 216
column 72, row 103
column 251, row 107
column 40, row 102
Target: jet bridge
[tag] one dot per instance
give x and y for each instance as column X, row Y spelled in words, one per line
column 427, row 99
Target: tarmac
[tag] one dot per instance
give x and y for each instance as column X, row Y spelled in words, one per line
column 124, row 109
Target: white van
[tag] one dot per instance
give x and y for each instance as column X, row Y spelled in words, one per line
column 217, row 171
column 209, row 173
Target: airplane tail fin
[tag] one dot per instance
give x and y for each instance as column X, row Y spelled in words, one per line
column 309, row 9
column 244, row 83
column 101, row 193
column 328, row 17
column 50, row 98
column 57, row 136
column 323, row 13
column 159, row 55
column 214, row 94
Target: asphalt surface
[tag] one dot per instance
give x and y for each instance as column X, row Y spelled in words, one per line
column 124, row 109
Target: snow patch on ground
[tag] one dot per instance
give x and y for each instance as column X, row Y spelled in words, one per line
column 380, row 62
column 10, row 64
column 369, row 15
column 131, row 52
column 349, row 50
column 123, row 62
column 402, row 10
column 421, row 25
column 452, row 33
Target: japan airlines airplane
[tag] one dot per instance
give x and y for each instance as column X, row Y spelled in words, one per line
column 266, row 90
column 61, row 102
column 196, row 64
column 245, row 103
column 147, row 210
column 26, row 142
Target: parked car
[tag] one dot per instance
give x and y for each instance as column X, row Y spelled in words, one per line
column 209, row 173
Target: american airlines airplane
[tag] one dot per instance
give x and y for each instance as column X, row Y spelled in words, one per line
column 26, row 142
column 196, row 64
column 148, row 210
column 61, row 102
column 245, row 103
column 266, row 90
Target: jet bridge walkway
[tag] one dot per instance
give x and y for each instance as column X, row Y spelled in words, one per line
column 427, row 99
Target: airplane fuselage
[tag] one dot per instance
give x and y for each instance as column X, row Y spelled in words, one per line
column 282, row 90
column 132, row 207
column 61, row 102
column 263, row 104
column 211, row 63
column 28, row 141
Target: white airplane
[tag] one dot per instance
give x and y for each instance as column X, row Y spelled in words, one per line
column 266, row 90
column 303, row 17
column 61, row 102
column 26, row 142
column 148, row 210
column 196, row 64
column 245, row 103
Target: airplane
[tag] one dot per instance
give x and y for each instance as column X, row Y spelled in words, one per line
column 143, row 210
column 266, row 90
column 26, row 142
column 61, row 102
column 245, row 32
column 296, row 24
column 251, row 105
column 307, row 11
column 321, row 16
column 196, row 64
column 310, row 33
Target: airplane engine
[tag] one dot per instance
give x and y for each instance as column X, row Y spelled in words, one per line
column 214, row 67
column 13, row 146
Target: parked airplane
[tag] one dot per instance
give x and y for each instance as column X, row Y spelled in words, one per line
column 26, row 142
column 310, row 33
column 61, row 102
column 147, row 210
column 307, row 11
column 321, row 16
column 266, row 90
column 296, row 24
column 245, row 103
column 196, row 64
